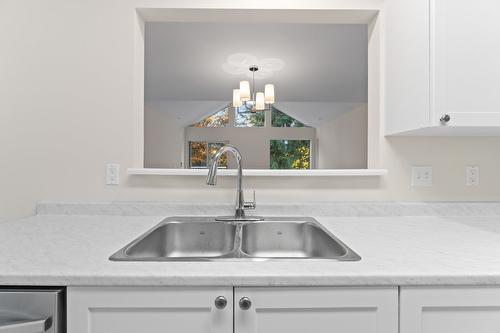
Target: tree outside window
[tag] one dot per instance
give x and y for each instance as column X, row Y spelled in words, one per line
column 201, row 152
column 281, row 119
column 290, row 154
column 218, row 119
column 244, row 118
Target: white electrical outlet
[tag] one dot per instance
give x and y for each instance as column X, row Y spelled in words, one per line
column 112, row 174
column 472, row 175
column 421, row 176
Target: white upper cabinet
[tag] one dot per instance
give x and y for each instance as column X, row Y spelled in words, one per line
column 465, row 54
column 442, row 62
column 406, row 27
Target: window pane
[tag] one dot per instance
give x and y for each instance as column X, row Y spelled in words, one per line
column 290, row 154
column 212, row 149
column 243, row 118
column 198, row 154
column 218, row 119
column 281, row 119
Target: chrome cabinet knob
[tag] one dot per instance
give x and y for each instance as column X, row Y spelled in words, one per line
column 245, row 303
column 445, row 118
column 220, row 302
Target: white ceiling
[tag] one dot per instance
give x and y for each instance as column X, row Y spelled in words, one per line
column 322, row 63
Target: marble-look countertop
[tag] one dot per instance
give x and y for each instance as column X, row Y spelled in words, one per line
column 73, row 250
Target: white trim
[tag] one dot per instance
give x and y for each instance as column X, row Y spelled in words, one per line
column 260, row 172
column 432, row 114
column 349, row 13
column 313, row 11
column 138, row 116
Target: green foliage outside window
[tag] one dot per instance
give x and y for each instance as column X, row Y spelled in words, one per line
column 290, row 154
column 200, row 153
column 218, row 119
column 243, row 118
column 281, row 119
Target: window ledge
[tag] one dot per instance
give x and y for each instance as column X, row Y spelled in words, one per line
column 260, row 172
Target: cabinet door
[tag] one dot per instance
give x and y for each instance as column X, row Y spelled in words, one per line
column 318, row 310
column 151, row 310
column 406, row 64
column 450, row 310
column 465, row 61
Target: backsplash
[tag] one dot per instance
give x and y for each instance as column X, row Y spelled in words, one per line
column 302, row 209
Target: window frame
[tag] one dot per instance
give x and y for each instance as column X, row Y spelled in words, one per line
column 310, row 153
column 207, row 143
column 223, row 110
column 236, row 112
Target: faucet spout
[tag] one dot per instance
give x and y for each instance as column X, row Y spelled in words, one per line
column 212, row 172
column 241, row 205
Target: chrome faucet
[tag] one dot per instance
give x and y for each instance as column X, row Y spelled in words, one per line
column 241, row 204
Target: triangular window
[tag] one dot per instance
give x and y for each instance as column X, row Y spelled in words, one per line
column 281, row 119
column 218, row 119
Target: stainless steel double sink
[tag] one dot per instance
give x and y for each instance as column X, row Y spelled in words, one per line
column 204, row 239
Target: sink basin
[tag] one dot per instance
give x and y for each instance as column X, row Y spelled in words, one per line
column 177, row 239
column 289, row 240
column 204, row 239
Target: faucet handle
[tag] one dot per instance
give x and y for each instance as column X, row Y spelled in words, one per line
column 250, row 204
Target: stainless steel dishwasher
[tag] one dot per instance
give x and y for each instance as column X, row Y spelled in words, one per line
column 26, row 310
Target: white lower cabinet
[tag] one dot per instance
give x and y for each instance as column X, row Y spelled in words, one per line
column 263, row 310
column 450, row 310
column 148, row 310
column 318, row 310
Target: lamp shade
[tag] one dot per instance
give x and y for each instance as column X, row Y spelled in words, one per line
column 269, row 93
column 259, row 101
column 236, row 98
column 245, row 91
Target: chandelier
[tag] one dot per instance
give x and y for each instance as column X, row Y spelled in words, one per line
column 251, row 100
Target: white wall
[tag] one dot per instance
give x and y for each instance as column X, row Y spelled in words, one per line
column 164, row 124
column 66, row 108
column 343, row 141
column 163, row 140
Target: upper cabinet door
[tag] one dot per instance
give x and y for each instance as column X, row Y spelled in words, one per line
column 314, row 309
column 406, row 50
column 465, row 62
column 152, row 310
column 442, row 67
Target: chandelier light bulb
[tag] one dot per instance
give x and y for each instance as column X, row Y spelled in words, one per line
column 269, row 93
column 245, row 91
column 259, row 101
column 237, row 98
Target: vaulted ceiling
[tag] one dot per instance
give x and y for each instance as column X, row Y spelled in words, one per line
column 320, row 63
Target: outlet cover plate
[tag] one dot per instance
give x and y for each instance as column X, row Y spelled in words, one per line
column 472, row 175
column 112, row 174
column 421, row 176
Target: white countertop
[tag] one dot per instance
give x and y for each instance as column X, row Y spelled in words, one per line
column 74, row 250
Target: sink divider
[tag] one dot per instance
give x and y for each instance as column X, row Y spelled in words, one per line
column 237, row 240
